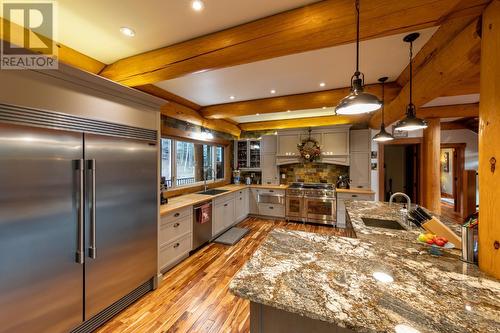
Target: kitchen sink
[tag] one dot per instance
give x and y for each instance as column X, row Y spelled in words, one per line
column 378, row 223
column 213, row 192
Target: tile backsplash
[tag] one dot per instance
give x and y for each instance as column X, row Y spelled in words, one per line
column 312, row 172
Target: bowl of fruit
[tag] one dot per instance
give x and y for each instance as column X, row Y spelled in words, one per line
column 434, row 240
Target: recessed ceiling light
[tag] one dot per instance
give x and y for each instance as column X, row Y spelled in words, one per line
column 273, row 91
column 288, row 111
column 402, row 328
column 322, row 84
column 257, row 114
column 383, row 277
column 197, row 5
column 324, row 107
column 232, row 97
column 129, row 32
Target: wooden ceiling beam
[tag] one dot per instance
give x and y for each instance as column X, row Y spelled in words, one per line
column 184, row 113
column 464, row 86
column 458, row 57
column 313, row 100
column 304, row 122
column 449, row 111
column 323, row 24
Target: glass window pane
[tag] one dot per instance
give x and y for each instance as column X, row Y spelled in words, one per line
column 166, row 161
column 185, row 163
column 219, row 162
column 207, row 162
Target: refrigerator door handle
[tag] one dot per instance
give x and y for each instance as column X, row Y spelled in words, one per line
column 80, row 256
column 93, row 245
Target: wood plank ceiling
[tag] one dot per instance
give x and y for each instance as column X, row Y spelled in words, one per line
column 447, row 65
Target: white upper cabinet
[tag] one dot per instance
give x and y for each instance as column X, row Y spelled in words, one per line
column 360, row 141
column 287, row 144
column 360, row 164
column 269, row 144
column 335, row 143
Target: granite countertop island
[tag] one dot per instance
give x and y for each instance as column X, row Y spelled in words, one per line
column 330, row 279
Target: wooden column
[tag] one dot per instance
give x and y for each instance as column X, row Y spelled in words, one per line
column 489, row 142
column 432, row 166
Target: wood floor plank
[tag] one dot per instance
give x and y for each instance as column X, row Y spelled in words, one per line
column 194, row 296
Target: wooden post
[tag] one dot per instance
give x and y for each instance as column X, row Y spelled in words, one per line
column 432, row 166
column 489, row 142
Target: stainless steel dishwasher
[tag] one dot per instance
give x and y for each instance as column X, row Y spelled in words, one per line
column 202, row 224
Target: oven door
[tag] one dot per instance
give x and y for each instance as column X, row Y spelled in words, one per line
column 320, row 210
column 294, row 208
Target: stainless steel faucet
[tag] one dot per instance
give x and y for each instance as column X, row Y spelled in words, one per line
column 403, row 195
column 205, row 173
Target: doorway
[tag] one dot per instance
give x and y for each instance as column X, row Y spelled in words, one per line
column 401, row 162
column 452, row 169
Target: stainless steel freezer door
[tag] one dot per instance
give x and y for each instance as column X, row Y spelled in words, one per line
column 125, row 219
column 41, row 284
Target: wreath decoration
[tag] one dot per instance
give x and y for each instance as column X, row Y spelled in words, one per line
column 309, row 150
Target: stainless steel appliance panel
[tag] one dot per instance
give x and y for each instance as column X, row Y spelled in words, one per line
column 271, row 198
column 202, row 225
column 320, row 210
column 294, row 208
column 40, row 280
column 125, row 224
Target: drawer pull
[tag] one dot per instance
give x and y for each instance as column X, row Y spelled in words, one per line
column 354, row 195
column 241, row 198
column 271, row 207
column 225, row 205
column 176, row 245
column 176, row 225
column 268, row 183
column 271, row 191
column 177, row 214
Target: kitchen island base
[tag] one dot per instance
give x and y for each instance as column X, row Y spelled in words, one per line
column 267, row 319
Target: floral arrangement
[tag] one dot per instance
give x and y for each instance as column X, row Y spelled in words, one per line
column 309, row 150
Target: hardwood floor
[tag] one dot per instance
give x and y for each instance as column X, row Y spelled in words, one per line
column 194, row 296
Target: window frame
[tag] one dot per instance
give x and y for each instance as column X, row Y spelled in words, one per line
column 173, row 161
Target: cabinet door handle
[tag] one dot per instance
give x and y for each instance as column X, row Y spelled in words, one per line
column 354, row 195
column 241, row 198
column 177, row 214
column 268, row 183
column 271, row 191
column 176, row 225
column 176, row 245
column 225, row 205
column 271, row 207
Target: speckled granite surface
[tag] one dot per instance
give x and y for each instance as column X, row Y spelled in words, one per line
column 330, row 278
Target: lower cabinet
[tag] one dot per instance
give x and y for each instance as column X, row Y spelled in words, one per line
column 241, row 205
column 272, row 210
column 254, row 201
column 341, row 197
column 223, row 214
column 175, row 237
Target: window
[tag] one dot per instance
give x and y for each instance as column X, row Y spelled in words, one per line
column 190, row 162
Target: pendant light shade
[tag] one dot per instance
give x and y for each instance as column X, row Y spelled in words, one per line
column 411, row 122
column 383, row 136
column 358, row 101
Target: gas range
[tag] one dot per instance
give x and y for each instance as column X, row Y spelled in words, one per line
column 311, row 202
column 312, row 189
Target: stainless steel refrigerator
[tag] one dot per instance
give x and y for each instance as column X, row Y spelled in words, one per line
column 78, row 220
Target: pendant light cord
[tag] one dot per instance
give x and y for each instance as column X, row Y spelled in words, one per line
column 383, row 102
column 357, row 37
column 411, row 73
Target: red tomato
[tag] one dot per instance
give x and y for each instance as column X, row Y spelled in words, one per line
column 430, row 241
column 439, row 242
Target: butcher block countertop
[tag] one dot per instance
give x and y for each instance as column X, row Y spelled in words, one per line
column 331, row 279
column 195, row 198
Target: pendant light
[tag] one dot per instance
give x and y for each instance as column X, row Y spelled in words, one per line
column 411, row 122
column 383, row 136
column 358, row 101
